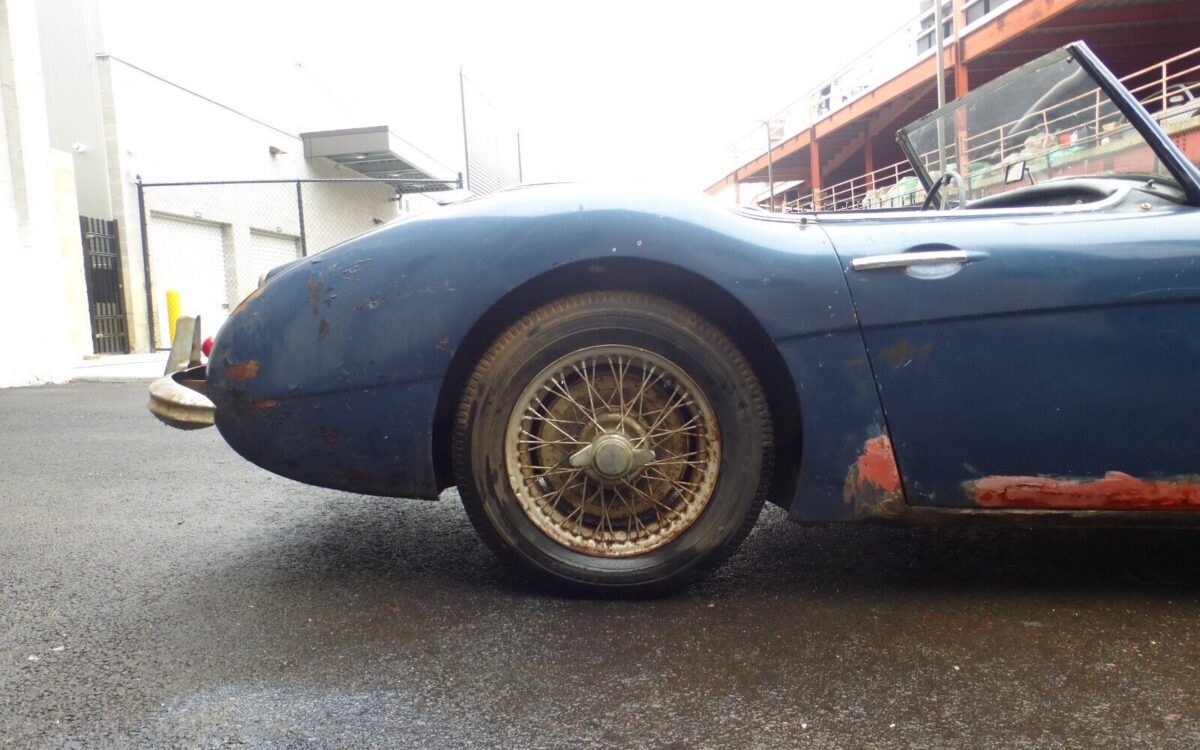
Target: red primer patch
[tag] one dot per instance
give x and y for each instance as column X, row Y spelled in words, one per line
column 877, row 465
column 1115, row 491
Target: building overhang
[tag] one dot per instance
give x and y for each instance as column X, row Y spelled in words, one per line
column 374, row 152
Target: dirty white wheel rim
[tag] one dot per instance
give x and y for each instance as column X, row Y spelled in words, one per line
column 612, row 451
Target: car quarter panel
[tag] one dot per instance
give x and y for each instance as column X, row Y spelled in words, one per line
column 330, row 373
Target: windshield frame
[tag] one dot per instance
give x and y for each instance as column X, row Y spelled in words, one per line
column 1182, row 170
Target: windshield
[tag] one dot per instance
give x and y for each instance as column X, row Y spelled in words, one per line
column 1045, row 120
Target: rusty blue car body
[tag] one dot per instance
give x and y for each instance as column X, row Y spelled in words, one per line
column 1050, row 366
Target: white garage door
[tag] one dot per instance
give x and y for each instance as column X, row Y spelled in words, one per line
column 189, row 257
column 267, row 250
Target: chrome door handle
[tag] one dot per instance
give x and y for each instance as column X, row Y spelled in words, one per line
column 905, row 260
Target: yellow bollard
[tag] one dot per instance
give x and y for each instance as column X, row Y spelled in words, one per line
column 172, row 311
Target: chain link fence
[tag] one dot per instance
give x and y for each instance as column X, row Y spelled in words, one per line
column 210, row 242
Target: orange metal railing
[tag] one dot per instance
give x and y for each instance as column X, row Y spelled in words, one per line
column 1170, row 91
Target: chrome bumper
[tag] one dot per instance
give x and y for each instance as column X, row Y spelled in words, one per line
column 178, row 398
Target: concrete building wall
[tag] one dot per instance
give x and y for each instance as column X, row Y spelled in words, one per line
column 37, row 343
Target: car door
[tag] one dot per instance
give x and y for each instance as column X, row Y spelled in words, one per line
column 1034, row 359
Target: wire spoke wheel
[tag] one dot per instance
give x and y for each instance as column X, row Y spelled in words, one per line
column 612, row 451
column 613, row 441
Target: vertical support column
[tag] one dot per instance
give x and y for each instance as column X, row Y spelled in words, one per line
column 771, row 168
column 240, row 278
column 961, row 78
column 961, row 85
column 300, row 215
column 869, row 158
column 119, row 165
column 939, row 46
column 814, row 167
column 141, row 199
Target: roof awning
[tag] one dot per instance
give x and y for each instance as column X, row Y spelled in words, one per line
column 376, row 153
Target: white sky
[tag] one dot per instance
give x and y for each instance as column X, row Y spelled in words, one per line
column 647, row 91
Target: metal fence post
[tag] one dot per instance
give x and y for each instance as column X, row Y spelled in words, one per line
column 141, row 194
column 462, row 98
column 300, row 213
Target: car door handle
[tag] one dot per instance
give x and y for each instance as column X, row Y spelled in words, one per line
column 918, row 258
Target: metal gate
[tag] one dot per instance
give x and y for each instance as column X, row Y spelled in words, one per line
column 106, row 293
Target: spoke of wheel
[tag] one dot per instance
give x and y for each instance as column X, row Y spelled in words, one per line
column 559, row 492
column 619, row 382
column 592, row 382
column 640, row 396
column 651, row 498
column 578, row 521
column 632, row 512
column 587, row 384
column 672, row 456
column 685, row 489
column 566, row 485
column 696, row 420
column 583, row 495
column 561, row 390
column 536, row 440
column 532, row 412
column 533, row 406
column 604, row 517
column 676, row 458
column 658, row 444
column 553, row 424
column 663, row 414
column 546, row 471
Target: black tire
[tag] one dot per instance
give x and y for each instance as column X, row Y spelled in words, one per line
column 732, row 487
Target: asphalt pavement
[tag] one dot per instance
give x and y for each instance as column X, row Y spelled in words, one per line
column 158, row 591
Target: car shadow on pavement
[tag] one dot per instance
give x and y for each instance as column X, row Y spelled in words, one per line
column 975, row 557
column 358, row 541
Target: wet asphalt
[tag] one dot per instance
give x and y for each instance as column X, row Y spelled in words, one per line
column 158, row 591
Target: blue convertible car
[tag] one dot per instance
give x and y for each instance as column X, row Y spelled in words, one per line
column 617, row 380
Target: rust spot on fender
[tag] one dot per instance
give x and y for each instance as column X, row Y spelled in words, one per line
column 248, row 299
column 266, row 403
column 873, row 481
column 314, row 295
column 355, row 267
column 903, row 353
column 1114, row 491
column 322, row 330
column 247, row 370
